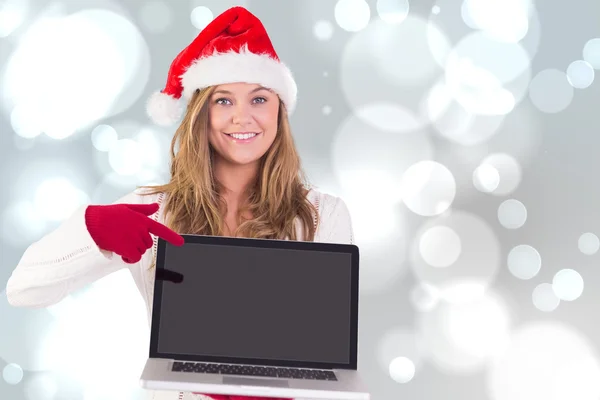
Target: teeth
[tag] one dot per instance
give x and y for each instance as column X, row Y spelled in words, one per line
column 243, row 136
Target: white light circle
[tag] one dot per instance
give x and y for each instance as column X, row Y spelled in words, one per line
column 201, row 16
column 156, row 16
column 591, row 52
column 588, row 243
column 545, row 360
column 12, row 373
column 125, row 157
column 352, row 15
column 395, row 348
column 393, row 11
column 567, row 284
column 460, row 338
column 428, row 188
column 400, row 59
column 481, row 327
column 476, row 267
column 379, row 230
column 151, row 144
column 22, row 224
column 12, row 15
column 467, row 16
column 440, row 246
column 76, row 85
column 56, row 199
column 524, row 262
column 486, row 178
column 23, row 124
column 376, row 170
column 424, row 297
column 504, row 20
column 42, row 386
column 580, row 74
column 499, row 23
column 550, row 91
column 323, row 30
column 509, row 170
column 134, row 54
column 103, row 137
column 512, row 214
column 402, row 369
column 389, row 117
column 488, row 77
column 544, row 298
column 402, row 55
column 453, row 121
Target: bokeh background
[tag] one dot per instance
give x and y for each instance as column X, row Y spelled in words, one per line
column 462, row 134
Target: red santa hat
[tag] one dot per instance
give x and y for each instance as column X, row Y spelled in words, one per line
column 234, row 47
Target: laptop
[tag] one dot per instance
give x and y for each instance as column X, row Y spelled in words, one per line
column 255, row 317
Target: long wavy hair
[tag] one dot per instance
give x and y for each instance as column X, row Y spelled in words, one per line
column 276, row 200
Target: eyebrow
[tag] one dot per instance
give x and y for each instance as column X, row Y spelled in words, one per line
column 252, row 91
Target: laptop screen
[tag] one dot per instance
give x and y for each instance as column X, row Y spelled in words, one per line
column 257, row 303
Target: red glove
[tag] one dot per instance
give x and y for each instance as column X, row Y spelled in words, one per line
column 125, row 229
column 254, row 398
column 223, row 397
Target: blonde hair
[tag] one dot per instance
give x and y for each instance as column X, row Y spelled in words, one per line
column 276, row 201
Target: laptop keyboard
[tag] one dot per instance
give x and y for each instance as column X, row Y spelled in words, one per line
column 252, row 370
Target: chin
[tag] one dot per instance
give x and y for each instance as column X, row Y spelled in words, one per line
column 243, row 160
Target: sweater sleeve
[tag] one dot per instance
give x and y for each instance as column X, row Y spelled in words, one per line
column 337, row 222
column 62, row 262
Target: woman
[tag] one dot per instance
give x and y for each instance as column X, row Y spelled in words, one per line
column 234, row 171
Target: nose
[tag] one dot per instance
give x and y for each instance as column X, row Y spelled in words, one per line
column 241, row 114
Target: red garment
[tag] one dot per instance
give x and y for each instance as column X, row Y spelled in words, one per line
column 224, row 397
column 234, row 47
column 125, row 229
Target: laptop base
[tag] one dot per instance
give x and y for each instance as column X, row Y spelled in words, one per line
column 158, row 375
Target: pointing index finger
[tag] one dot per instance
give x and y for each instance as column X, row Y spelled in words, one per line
column 164, row 232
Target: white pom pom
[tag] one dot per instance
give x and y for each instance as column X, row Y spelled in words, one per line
column 163, row 109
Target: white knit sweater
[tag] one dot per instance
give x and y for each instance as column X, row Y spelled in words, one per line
column 67, row 258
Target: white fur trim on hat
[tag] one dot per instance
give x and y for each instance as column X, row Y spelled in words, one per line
column 164, row 109
column 245, row 66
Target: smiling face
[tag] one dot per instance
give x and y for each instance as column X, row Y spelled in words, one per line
column 243, row 122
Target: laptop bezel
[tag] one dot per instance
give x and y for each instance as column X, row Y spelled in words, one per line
column 263, row 243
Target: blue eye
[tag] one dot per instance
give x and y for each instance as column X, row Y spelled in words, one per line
column 224, row 101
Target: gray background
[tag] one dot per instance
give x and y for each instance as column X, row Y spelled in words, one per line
column 462, row 137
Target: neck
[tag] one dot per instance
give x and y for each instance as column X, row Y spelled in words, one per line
column 234, row 178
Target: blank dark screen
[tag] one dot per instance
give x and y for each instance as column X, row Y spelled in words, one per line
column 250, row 302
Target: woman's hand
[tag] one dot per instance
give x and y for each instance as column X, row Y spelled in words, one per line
column 224, row 397
column 125, row 229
